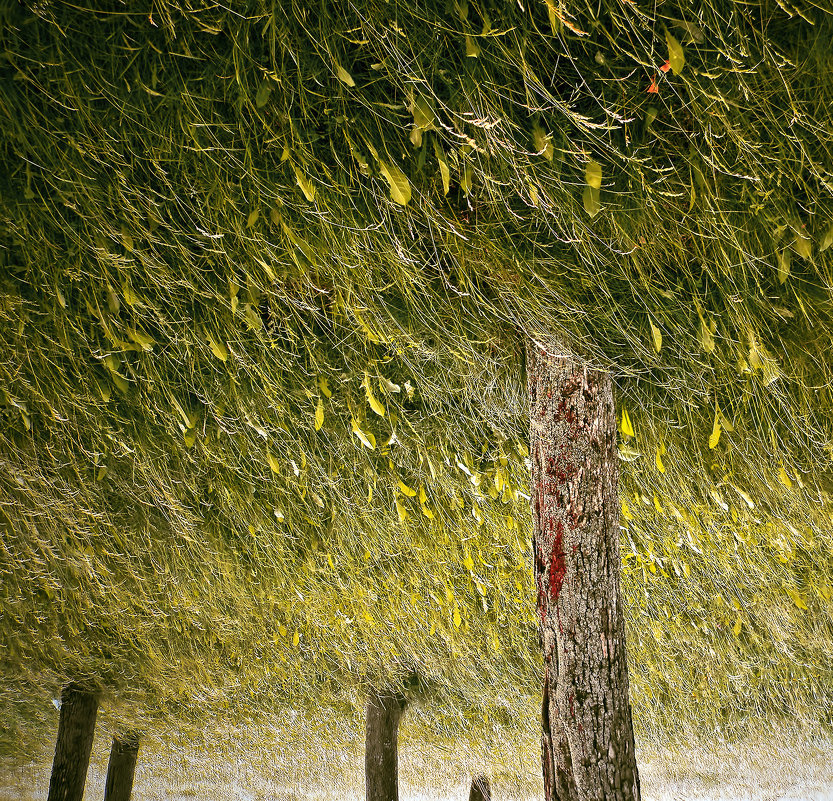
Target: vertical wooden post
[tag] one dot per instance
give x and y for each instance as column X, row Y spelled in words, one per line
column 76, row 728
column 120, row 769
column 480, row 789
column 381, row 760
column 588, row 748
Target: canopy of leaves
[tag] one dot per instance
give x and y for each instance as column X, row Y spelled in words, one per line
column 266, row 276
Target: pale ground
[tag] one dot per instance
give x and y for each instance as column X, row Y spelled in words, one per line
column 262, row 763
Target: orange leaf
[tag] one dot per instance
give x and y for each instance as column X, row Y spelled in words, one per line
column 653, row 89
column 665, row 67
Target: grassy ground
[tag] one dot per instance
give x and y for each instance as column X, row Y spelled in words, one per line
column 301, row 759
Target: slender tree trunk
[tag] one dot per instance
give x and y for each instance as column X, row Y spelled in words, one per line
column 381, row 761
column 480, row 789
column 76, row 727
column 120, row 769
column 587, row 739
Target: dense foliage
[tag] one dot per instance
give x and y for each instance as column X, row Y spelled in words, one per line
column 266, row 276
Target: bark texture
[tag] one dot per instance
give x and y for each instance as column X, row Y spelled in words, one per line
column 587, row 734
column 381, row 759
column 76, row 728
column 121, row 767
column 480, row 789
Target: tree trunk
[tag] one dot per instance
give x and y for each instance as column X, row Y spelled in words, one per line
column 380, row 757
column 480, row 789
column 121, row 768
column 76, row 727
column 587, row 732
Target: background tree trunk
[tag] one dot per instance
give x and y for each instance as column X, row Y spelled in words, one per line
column 120, row 769
column 381, row 760
column 587, row 738
column 480, row 789
column 76, row 728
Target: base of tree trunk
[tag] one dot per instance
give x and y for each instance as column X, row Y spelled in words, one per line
column 122, row 766
column 381, row 760
column 480, row 789
column 76, row 727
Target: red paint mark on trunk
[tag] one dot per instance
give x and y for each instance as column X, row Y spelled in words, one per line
column 558, row 565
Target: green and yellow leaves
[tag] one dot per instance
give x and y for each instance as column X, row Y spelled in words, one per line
column 445, row 173
column 264, row 92
column 218, row 347
column 593, row 177
column 542, row 143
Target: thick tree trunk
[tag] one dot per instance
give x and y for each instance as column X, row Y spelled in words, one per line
column 120, row 769
column 76, row 728
column 381, row 761
column 587, row 743
column 480, row 789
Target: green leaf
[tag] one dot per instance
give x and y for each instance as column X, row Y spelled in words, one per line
column 593, row 174
column 445, row 173
column 306, row 186
column 590, row 198
column 676, row 56
column 400, row 186
column 541, row 142
column 263, row 94
column 826, row 240
column 345, row 77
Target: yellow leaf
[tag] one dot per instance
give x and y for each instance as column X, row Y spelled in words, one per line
column 253, row 217
column 625, row 426
column 784, row 478
column 656, row 336
column 660, row 452
column 282, row 630
column 319, row 415
column 593, row 174
column 457, row 619
column 274, row 463
column 472, row 48
column 345, row 77
column 465, row 179
column 296, row 638
column 715, row 435
column 426, row 511
column 445, row 174
column 468, row 562
column 784, row 261
column 324, row 386
column 306, row 186
column 401, row 511
column 803, row 246
column 590, row 199
column 422, row 496
column 736, row 628
column 218, row 348
column 676, row 56
column 706, row 335
column 400, row 186
column 372, row 400
column 368, row 440
column 406, row 489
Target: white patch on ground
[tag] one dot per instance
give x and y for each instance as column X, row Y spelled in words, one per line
column 290, row 762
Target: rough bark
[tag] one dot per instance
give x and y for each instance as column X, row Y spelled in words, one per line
column 76, row 728
column 587, row 732
column 480, row 789
column 120, row 769
column 381, row 760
